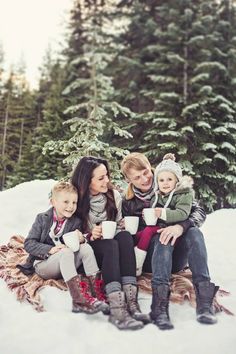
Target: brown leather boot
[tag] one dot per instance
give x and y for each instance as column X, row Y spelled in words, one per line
column 97, row 291
column 119, row 316
column 131, row 295
column 81, row 300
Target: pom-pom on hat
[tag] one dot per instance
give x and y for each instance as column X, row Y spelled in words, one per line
column 169, row 164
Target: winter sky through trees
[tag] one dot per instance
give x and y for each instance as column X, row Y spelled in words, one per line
column 28, row 28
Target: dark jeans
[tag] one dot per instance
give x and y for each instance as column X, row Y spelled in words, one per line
column 190, row 249
column 115, row 257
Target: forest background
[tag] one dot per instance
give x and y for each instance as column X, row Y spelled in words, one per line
column 151, row 76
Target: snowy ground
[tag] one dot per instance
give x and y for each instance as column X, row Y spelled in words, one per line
column 58, row 331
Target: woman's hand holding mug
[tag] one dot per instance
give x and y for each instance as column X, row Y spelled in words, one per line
column 96, row 232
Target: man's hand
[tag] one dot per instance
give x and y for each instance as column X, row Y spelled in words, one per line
column 170, row 232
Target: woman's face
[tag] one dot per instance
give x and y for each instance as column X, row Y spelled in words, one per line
column 99, row 181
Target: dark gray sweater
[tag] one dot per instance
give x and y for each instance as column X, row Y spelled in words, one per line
column 36, row 244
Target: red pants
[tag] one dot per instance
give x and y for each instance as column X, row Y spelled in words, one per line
column 144, row 237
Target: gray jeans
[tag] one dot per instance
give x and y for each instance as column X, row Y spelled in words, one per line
column 189, row 249
column 66, row 262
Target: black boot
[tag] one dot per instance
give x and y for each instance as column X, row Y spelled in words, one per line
column 205, row 292
column 160, row 307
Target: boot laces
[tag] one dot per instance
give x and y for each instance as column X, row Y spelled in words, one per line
column 205, row 307
column 134, row 306
column 85, row 291
column 132, row 302
column 162, row 307
column 204, row 304
column 98, row 290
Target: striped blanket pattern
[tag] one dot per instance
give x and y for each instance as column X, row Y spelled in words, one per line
column 27, row 288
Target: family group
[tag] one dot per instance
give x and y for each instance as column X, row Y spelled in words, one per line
column 157, row 222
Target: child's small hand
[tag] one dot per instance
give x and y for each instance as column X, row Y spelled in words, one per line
column 158, row 212
column 56, row 249
column 80, row 236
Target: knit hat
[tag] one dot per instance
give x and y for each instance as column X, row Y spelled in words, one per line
column 168, row 164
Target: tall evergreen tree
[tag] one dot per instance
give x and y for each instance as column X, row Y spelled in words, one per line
column 130, row 72
column 211, row 112
column 51, row 127
column 48, row 124
column 185, row 80
column 18, row 117
column 94, row 113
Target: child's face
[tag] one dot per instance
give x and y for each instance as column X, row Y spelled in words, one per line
column 65, row 204
column 166, row 181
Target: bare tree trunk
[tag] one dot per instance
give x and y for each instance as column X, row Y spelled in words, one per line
column 229, row 9
column 38, row 119
column 185, row 75
column 3, row 177
column 21, row 140
column 5, row 127
column 4, row 139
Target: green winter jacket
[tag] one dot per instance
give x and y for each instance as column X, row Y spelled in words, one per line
column 179, row 207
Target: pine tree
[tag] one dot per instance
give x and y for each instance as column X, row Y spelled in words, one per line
column 93, row 121
column 185, row 79
column 52, row 127
column 210, row 113
column 18, row 121
column 137, row 44
column 178, row 68
column 48, row 124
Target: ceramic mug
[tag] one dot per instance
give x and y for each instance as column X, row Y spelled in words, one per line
column 131, row 224
column 71, row 240
column 149, row 216
column 108, row 229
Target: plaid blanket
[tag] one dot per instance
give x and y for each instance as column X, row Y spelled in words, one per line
column 27, row 288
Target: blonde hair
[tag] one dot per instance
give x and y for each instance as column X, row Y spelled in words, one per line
column 63, row 187
column 135, row 160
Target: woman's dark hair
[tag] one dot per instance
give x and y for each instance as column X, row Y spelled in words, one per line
column 81, row 179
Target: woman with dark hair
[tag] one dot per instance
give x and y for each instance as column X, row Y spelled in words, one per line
column 98, row 202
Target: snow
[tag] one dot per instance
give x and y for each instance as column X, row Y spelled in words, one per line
column 58, row 331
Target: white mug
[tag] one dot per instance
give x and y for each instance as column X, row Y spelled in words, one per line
column 108, row 229
column 149, row 215
column 71, row 240
column 131, row 224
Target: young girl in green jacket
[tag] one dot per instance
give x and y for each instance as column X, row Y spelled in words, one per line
column 172, row 203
